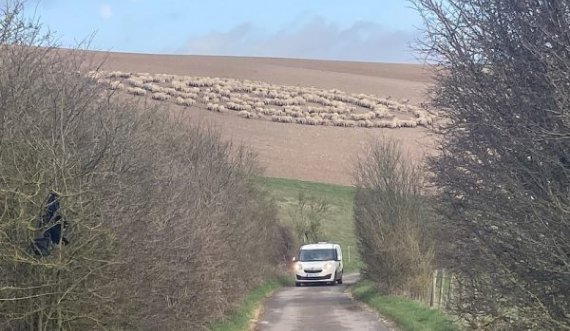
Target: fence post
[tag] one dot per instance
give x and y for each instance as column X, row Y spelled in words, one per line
column 449, row 291
column 441, row 283
column 433, row 289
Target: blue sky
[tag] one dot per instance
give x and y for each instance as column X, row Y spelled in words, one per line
column 357, row 30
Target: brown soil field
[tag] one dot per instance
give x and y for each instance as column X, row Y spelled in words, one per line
column 313, row 153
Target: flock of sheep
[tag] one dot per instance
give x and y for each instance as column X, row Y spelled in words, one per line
column 259, row 100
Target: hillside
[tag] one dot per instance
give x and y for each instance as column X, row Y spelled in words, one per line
column 314, row 153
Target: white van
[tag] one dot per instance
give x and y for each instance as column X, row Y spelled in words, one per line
column 319, row 263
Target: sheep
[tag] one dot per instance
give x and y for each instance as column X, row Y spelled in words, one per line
column 136, row 91
column 317, row 110
column 163, row 78
column 412, row 123
column 395, row 123
column 269, row 111
column 146, row 79
column 119, row 74
column 277, row 102
column 170, row 91
column 294, row 111
column 381, row 112
column 94, row 74
column 337, row 122
column 152, row 88
column 134, row 81
column 365, row 124
column 246, row 114
column 362, row 117
column 306, row 105
column 425, row 121
column 211, row 106
column 184, row 102
column 314, row 120
column 216, row 107
column 200, row 82
column 343, row 110
column 178, row 86
column 160, row 96
column 237, row 106
column 382, row 124
column 188, row 95
column 282, row 119
column 116, row 85
column 104, row 81
column 349, row 123
column 366, row 103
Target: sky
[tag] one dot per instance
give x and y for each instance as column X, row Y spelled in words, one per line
column 351, row 30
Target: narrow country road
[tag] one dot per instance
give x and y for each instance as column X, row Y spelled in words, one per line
column 316, row 308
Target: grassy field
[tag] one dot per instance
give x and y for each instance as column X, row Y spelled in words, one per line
column 338, row 225
column 409, row 315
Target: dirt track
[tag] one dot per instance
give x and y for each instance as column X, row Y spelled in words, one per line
column 323, row 154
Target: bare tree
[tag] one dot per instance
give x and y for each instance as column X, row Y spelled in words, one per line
column 308, row 216
column 502, row 79
column 155, row 219
column 392, row 221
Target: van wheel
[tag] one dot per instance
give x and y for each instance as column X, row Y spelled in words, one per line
column 297, row 284
column 340, row 280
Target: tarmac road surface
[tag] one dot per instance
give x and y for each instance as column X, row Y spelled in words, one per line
column 317, row 308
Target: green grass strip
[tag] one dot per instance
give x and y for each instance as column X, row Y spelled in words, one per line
column 240, row 319
column 409, row 315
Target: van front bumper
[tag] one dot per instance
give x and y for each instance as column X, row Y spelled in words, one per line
column 311, row 278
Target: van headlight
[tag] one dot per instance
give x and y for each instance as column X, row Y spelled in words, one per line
column 327, row 266
column 298, row 266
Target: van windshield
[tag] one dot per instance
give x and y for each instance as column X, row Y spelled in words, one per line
column 327, row 254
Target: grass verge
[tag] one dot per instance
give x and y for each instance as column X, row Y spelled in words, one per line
column 239, row 320
column 338, row 226
column 407, row 314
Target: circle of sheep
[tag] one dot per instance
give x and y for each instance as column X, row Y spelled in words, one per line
column 259, row 100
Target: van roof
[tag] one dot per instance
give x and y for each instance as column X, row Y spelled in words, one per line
column 320, row 245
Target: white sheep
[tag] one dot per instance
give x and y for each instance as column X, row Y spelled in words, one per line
column 136, row 91
column 119, row 74
column 282, row 119
column 116, row 85
column 160, row 96
column 185, row 102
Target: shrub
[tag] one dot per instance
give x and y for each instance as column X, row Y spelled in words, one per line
column 391, row 220
column 307, row 218
column 160, row 219
column 502, row 168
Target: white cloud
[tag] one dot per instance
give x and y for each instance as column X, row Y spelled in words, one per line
column 315, row 38
column 105, row 11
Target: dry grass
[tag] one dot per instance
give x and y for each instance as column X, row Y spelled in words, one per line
column 278, row 103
